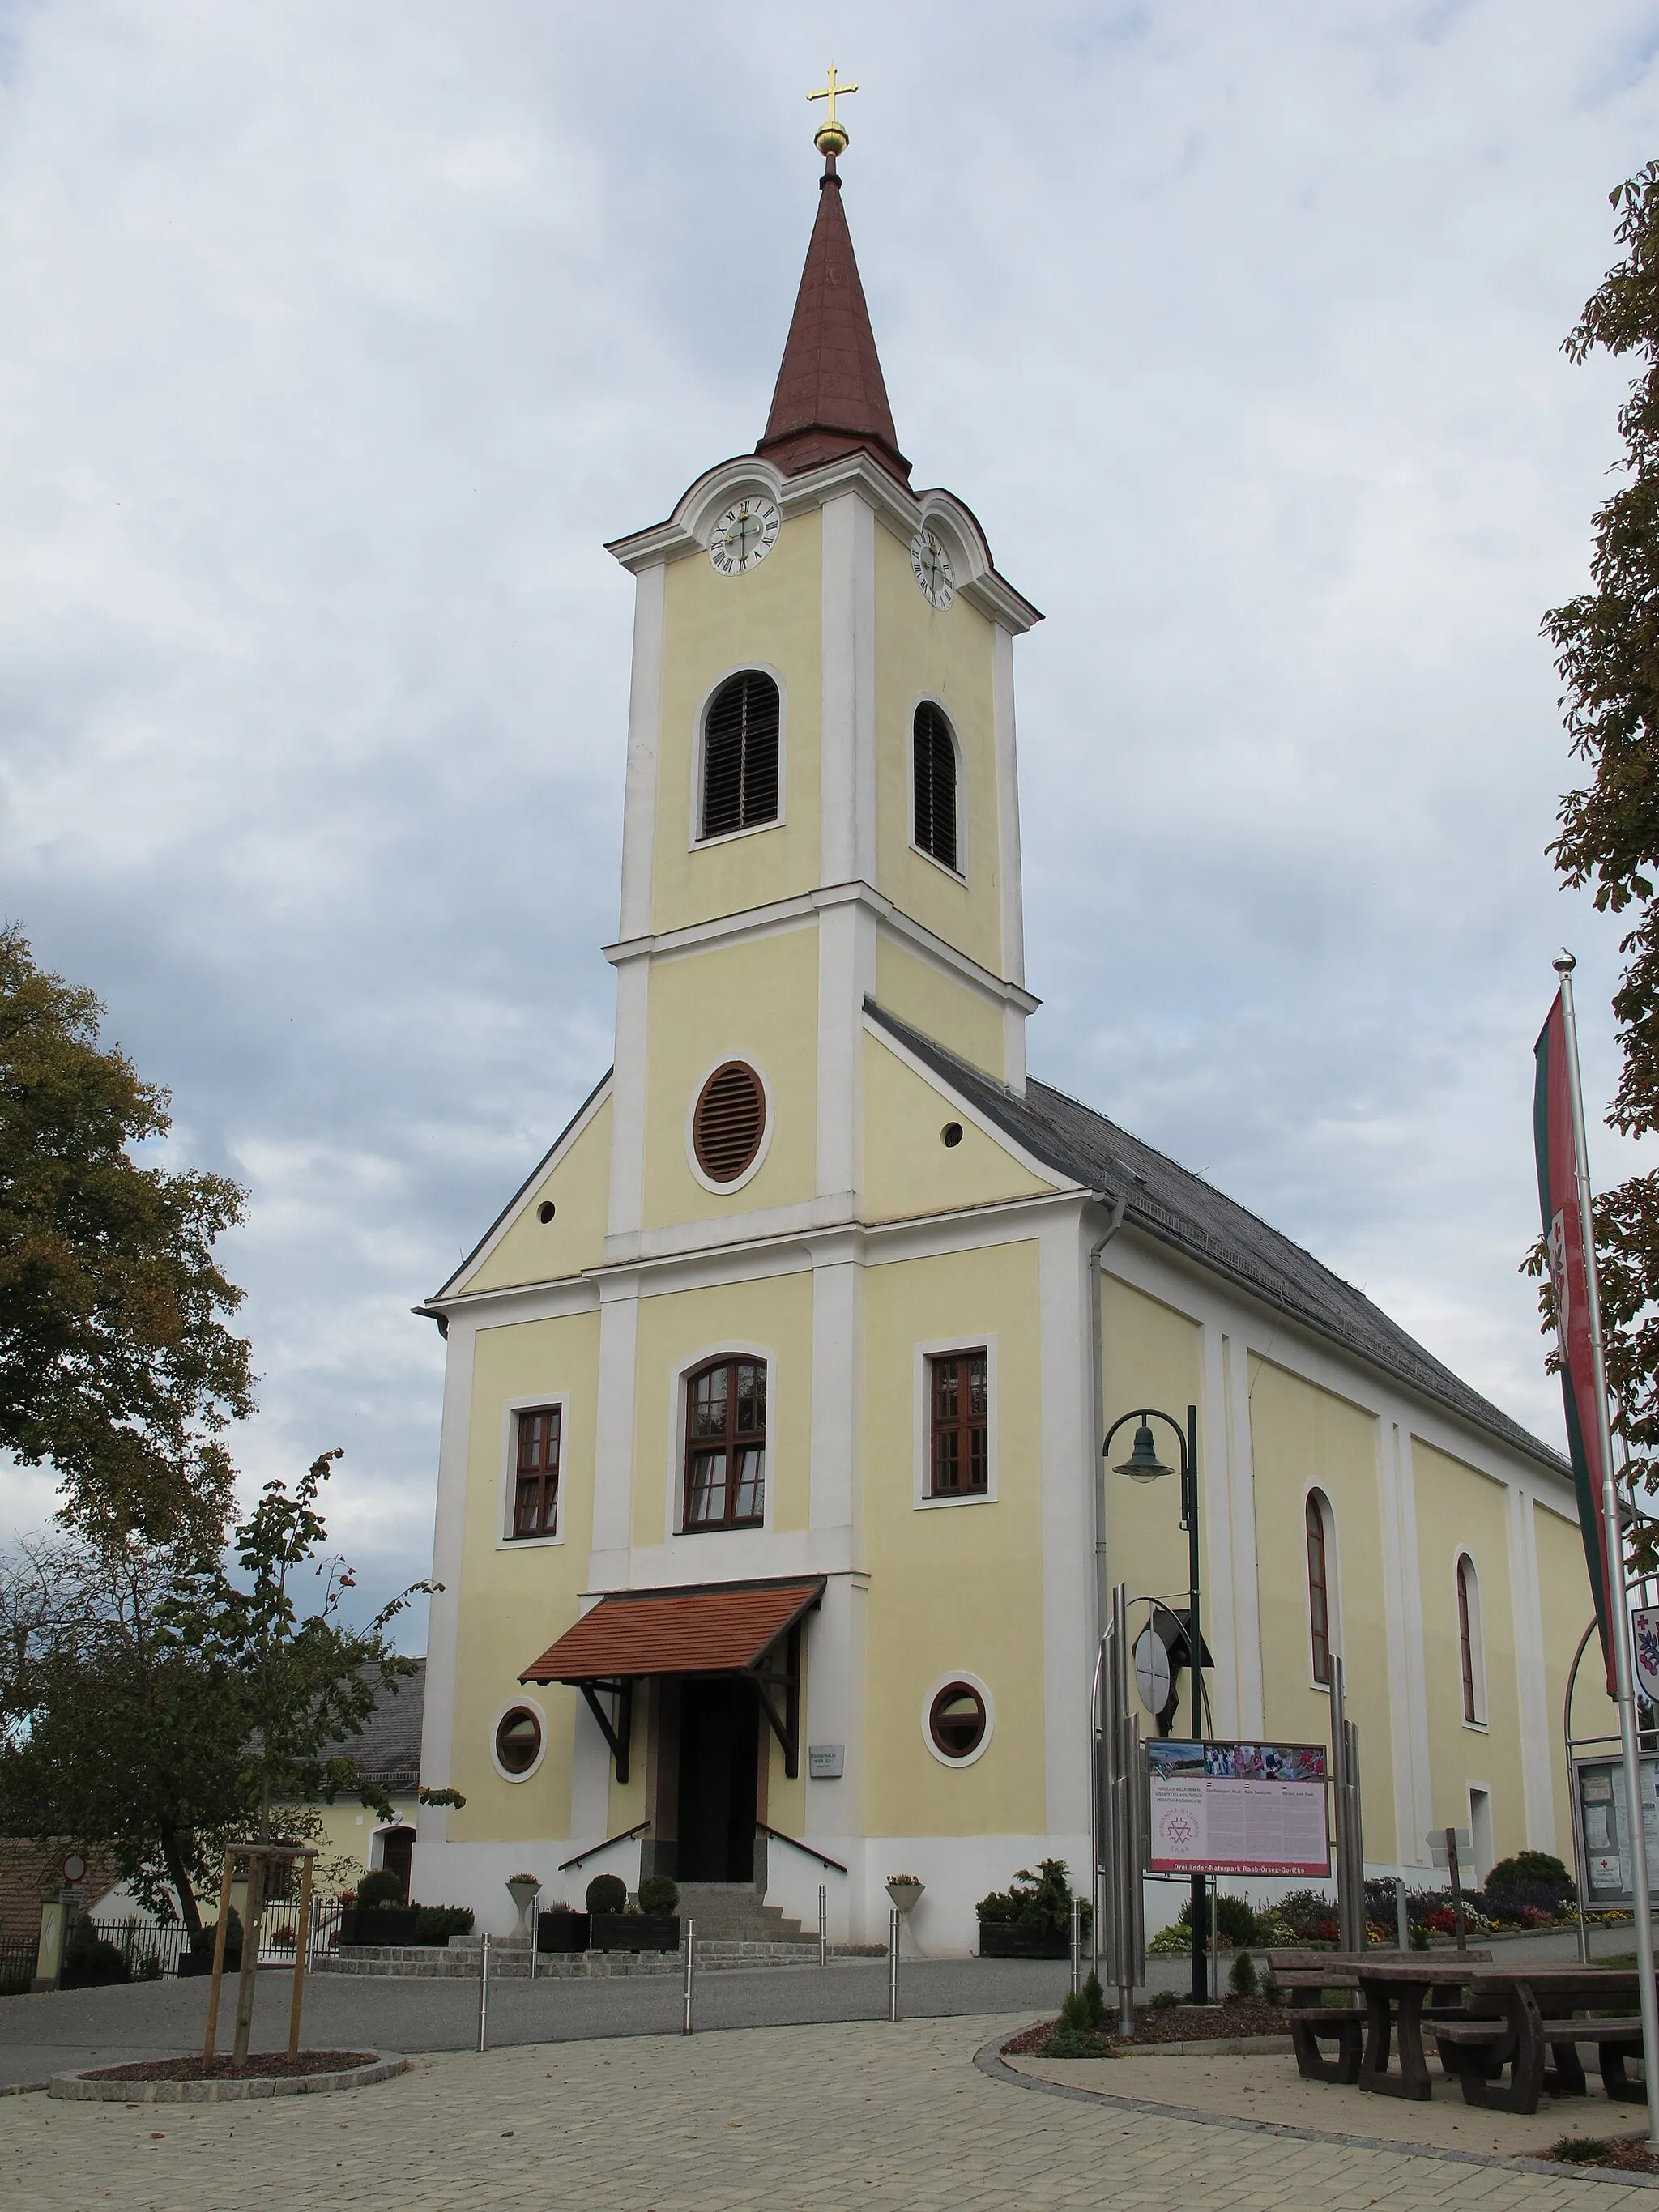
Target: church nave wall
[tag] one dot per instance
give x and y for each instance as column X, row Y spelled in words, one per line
column 516, row 1597
column 1462, row 1513
column 770, row 1319
column 956, row 1586
column 1564, row 1601
column 1151, row 1355
column 909, row 1169
column 577, row 1187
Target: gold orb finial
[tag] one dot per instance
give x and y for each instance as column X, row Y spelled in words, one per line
column 831, row 136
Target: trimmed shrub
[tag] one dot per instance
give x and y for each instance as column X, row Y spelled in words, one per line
column 607, row 1892
column 436, row 1923
column 1235, row 1923
column 1241, row 1981
column 380, row 1887
column 659, row 1892
column 1531, row 1879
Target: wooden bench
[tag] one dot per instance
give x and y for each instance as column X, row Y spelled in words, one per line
column 1530, row 2022
column 1307, row 1975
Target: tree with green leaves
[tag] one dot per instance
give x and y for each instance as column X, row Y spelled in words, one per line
column 170, row 1702
column 1606, row 644
column 116, row 1366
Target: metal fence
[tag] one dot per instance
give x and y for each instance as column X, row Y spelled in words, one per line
column 152, row 1951
column 17, row 1957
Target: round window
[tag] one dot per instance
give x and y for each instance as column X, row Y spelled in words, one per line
column 728, row 1122
column 955, row 1721
column 518, row 1740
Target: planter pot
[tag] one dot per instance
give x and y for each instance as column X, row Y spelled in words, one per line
column 193, row 1963
column 562, row 1931
column 633, row 1931
column 379, row 1925
column 1005, row 1939
column 905, row 1894
column 523, row 1895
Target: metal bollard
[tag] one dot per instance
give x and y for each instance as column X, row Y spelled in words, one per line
column 483, row 1990
column 534, row 1928
column 691, row 1972
column 892, row 1961
column 1077, row 1945
column 824, row 1924
column 1401, row 1917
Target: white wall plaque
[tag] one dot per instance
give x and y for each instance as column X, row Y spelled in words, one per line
column 826, row 1762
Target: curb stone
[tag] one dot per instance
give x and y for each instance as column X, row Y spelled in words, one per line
column 989, row 2060
column 81, row 2088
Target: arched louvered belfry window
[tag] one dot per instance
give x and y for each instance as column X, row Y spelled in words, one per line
column 740, row 755
column 935, row 784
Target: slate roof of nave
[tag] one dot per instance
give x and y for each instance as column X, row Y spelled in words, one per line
column 1168, row 1202
column 387, row 1747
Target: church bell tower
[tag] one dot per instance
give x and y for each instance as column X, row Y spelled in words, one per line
column 822, row 802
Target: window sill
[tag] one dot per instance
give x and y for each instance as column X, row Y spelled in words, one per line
column 957, row 875
column 731, row 836
column 956, row 1497
column 528, row 1543
column 720, row 1528
column 1478, row 1728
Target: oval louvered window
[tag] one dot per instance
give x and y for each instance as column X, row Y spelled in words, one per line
column 729, row 1122
column 740, row 755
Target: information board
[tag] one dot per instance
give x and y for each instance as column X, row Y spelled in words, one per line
column 1236, row 1808
column 1608, row 1865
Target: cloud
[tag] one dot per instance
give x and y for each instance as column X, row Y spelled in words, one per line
column 339, row 341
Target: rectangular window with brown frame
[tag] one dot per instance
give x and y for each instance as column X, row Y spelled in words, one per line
column 959, row 1425
column 726, row 1446
column 535, row 1494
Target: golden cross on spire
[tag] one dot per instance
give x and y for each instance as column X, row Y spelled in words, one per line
column 830, row 137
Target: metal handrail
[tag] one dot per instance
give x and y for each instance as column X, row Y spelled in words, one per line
column 778, row 1836
column 626, row 1836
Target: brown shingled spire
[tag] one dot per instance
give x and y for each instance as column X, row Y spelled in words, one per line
column 831, row 399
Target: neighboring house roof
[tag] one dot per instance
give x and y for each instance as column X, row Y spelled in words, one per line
column 31, row 1873
column 1180, row 1209
column 388, row 1749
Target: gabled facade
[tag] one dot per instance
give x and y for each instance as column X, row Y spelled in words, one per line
column 769, row 1506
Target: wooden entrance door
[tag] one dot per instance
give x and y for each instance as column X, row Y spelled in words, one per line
column 719, row 1745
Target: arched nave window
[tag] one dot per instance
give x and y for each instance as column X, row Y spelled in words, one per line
column 1469, row 1646
column 740, row 755
column 725, row 1446
column 1322, row 1561
column 935, row 782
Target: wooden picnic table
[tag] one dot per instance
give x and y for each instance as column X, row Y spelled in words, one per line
column 1395, row 1992
column 1308, row 1977
column 1519, row 2017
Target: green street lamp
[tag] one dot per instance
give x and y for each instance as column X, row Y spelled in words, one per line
column 1144, row 1466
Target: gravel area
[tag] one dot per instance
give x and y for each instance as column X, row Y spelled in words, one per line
column 1167, row 2024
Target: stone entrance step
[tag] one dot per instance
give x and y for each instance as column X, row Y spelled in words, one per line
column 731, row 1911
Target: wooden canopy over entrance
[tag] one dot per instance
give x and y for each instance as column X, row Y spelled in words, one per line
column 718, row 1628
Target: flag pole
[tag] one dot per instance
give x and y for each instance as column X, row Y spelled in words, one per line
column 1618, row 1597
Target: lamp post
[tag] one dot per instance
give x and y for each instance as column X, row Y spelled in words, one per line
column 1144, row 1465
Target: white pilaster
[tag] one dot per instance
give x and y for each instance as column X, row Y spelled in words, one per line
column 1412, row 1715
column 644, row 743
column 1397, row 1572
column 613, row 1442
column 1068, row 1559
column 448, row 1540
column 1008, row 861
column 1218, row 1617
column 1246, row 1572
column 847, row 736
column 847, row 975
column 627, row 1214
column 1532, row 1687
column 837, row 1388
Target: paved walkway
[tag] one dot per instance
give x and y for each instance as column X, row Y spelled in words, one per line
column 807, row 2119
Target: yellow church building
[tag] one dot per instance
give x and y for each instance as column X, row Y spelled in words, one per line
column 771, row 1522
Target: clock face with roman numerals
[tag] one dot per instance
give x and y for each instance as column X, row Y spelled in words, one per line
column 931, row 565
column 744, row 535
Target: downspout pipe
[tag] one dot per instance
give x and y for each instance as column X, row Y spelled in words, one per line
column 1115, row 1203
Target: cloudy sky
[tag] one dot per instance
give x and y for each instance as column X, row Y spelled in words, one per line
column 338, row 336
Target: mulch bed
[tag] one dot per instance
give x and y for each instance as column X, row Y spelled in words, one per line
column 1168, row 2024
column 258, row 2066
